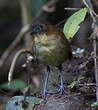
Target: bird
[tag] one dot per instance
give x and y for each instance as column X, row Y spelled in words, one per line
column 51, row 47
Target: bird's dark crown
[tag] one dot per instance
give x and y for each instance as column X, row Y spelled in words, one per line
column 37, row 28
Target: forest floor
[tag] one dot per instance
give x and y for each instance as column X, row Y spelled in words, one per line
column 79, row 82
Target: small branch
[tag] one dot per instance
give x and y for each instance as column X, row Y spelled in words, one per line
column 60, row 22
column 14, row 61
column 88, row 84
column 72, row 9
column 95, row 64
column 94, row 27
column 92, row 12
column 45, row 7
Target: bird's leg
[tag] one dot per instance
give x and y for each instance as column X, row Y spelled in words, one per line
column 61, row 89
column 46, row 81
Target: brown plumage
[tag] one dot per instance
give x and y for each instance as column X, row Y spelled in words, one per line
column 52, row 47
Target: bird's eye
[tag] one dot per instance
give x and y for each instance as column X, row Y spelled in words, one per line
column 42, row 26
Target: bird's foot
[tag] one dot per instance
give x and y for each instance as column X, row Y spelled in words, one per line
column 45, row 92
column 55, row 91
column 62, row 90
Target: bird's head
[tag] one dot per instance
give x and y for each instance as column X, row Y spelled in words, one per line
column 37, row 28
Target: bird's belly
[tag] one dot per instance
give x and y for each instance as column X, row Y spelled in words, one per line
column 50, row 52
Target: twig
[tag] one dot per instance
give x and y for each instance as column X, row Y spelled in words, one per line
column 92, row 12
column 94, row 26
column 88, row 84
column 95, row 64
column 72, row 9
column 22, row 32
column 42, row 10
column 60, row 22
column 26, row 15
column 22, row 51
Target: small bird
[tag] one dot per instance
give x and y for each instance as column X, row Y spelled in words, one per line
column 51, row 48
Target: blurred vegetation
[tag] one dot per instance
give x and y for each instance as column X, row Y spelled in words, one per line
column 36, row 6
column 11, row 21
column 16, row 13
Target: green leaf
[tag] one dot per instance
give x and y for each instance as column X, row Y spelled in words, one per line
column 73, row 84
column 19, row 102
column 72, row 24
column 76, row 83
column 14, row 85
column 94, row 104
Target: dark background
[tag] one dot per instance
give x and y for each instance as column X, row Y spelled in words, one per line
column 11, row 23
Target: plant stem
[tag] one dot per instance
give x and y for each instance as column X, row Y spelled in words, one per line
column 26, row 19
